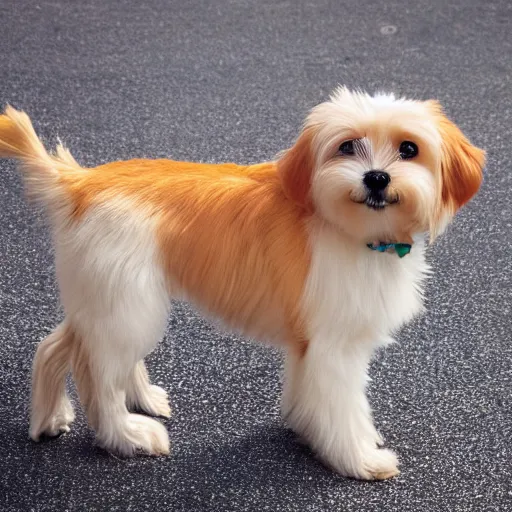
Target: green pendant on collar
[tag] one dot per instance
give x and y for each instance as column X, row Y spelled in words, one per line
column 400, row 249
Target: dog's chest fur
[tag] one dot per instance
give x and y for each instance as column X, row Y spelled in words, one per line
column 354, row 293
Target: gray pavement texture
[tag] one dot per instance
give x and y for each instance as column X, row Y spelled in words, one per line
column 232, row 80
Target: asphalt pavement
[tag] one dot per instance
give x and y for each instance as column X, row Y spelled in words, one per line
column 232, row 80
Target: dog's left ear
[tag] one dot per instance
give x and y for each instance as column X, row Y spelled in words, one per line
column 295, row 168
column 461, row 164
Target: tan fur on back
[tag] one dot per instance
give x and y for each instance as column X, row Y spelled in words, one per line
column 238, row 214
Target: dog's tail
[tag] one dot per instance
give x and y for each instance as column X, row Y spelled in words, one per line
column 41, row 171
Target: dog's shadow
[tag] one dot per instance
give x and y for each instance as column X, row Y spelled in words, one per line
column 268, row 466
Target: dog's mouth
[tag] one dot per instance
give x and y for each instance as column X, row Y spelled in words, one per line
column 377, row 201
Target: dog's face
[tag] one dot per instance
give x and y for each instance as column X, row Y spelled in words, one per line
column 381, row 168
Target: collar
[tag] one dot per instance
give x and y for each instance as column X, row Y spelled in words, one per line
column 399, row 248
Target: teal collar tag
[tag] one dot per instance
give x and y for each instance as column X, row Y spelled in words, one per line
column 400, row 249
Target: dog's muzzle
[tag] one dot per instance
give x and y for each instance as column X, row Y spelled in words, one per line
column 376, row 183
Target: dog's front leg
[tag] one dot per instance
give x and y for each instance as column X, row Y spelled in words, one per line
column 324, row 401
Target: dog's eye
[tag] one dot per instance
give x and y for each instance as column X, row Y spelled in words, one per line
column 347, row 148
column 408, row 150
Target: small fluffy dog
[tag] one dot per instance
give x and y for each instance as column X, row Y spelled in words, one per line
column 308, row 251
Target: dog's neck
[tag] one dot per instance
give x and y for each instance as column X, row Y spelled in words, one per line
column 398, row 248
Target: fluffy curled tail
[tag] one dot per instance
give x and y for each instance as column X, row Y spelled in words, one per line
column 40, row 170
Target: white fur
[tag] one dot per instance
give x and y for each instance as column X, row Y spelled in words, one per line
column 375, row 123
column 114, row 294
column 354, row 300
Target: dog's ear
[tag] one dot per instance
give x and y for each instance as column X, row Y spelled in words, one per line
column 295, row 168
column 461, row 164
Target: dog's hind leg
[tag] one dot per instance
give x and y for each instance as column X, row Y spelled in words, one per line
column 116, row 296
column 51, row 410
column 114, row 331
column 143, row 396
column 104, row 364
column 101, row 381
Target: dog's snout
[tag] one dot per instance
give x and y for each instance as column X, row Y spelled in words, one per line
column 376, row 180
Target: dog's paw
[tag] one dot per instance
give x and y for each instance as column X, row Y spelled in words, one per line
column 53, row 425
column 380, row 464
column 373, row 464
column 153, row 401
column 138, row 434
column 149, row 435
column 159, row 402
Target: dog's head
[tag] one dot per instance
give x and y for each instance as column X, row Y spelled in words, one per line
column 381, row 168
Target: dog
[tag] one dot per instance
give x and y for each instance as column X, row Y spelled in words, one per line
column 321, row 252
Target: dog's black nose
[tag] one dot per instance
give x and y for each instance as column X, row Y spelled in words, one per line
column 376, row 180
